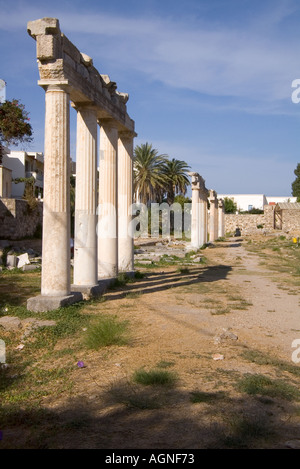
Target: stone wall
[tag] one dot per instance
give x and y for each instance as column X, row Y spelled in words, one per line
column 247, row 223
column 290, row 220
column 250, row 223
column 18, row 220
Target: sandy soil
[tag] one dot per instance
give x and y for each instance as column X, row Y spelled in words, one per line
column 187, row 323
column 200, row 325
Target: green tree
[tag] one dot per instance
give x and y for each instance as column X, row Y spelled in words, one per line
column 230, row 205
column 296, row 183
column 176, row 177
column 14, row 124
column 149, row 178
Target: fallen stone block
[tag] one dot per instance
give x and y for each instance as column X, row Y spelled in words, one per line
column 10, row 323
column 11, row 260
column 23, row 260
column 30, row 267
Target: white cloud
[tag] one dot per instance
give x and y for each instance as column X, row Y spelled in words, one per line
column 247, row 61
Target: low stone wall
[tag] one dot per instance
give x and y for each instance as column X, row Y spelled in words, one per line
column 18, row 220
column 290, row 220
column 247, row 223
column 250, row 223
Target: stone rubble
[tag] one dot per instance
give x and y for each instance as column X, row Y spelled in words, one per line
column 27, row 325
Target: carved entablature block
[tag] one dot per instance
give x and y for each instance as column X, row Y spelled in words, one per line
column 198, row 183
column 60, row 61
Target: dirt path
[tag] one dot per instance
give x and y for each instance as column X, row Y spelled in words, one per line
column 198, row 325
column 272, row 319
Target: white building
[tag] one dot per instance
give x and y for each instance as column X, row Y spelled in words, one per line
column 25, row 165
column 280, row 200
column 246, row 202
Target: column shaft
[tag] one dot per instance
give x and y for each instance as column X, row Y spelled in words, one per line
column 125, row 200
column 213, row 217
column 203, row 219
column 108, row 203
column 221, row 216
column 85, row 243
column 195, row 234
column 56, row 212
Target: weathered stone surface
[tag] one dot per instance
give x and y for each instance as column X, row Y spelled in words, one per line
column 10, row 323
column 11, row 260
column 17, row 221
column 23, row 260
column 30, row 324
column 43, row 303
column 30, row 267
column 68, row 75
column 59, row 59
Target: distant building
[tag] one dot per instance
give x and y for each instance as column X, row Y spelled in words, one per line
column 5, row 176
column 281, row 200
column 24, row 164
column 247, row 202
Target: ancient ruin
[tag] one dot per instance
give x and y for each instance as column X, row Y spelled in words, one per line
column 206, row 225
column 102, row 246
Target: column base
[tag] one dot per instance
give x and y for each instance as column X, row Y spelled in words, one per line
column 89, row 291
column 129, row 273
column 43, row 303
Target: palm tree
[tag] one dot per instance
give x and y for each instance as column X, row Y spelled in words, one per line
column 176, row 174
column 149, row 178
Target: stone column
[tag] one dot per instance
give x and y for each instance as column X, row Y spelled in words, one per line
column 213, row 216
column 56, row 288
column 221, row 216
column 195, row 224
column 125, row 200
column 108, row 201
column 203, row 216
column 85, row 242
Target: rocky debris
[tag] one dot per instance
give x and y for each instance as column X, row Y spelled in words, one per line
column 11, row 261
column 23, row 259
column 226, row 334
column 13, row 323
column 10, row 323
column 20, row 258
column 218, row 356
column 196, row 259
column 293, row 444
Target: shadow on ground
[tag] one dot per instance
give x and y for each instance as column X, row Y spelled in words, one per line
column 160, row 281
column 125, row 417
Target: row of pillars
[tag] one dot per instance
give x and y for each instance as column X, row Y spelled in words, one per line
column 97, row 203
column 206, row 226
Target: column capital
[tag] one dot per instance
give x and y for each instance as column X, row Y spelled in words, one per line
column 212, row 194
column 84, row 106
column 108, row 122
column 127, row 134
column 55, row 85
column 198, row 182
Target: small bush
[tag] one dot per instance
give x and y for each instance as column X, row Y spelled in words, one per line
column 265, row 386
column 154, row 377
column 107, row 331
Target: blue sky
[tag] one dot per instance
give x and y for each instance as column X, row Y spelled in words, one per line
column 209, row 81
